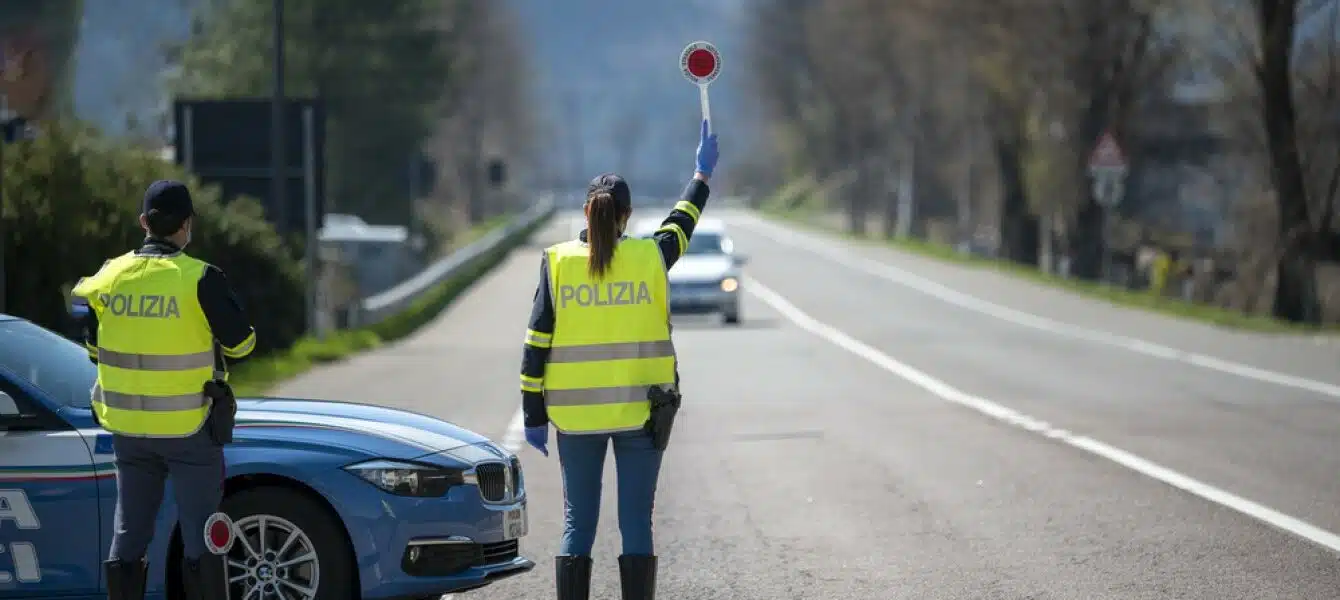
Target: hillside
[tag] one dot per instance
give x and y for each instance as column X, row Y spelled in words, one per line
column 600, row 63
column 118, row 74
column 603, row 62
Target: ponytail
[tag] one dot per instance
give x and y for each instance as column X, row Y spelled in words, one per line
column 603, row 220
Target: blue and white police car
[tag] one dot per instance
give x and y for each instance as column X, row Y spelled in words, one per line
column 329, row 501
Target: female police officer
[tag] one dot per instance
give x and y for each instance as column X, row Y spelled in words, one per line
column 598, row 342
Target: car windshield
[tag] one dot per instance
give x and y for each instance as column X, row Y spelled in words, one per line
column 50, row 362
column 705, row 243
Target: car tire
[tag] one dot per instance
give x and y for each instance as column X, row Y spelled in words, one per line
column 732, row 317
column 320, row 532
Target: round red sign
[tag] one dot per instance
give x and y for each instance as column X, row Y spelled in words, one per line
column 702, row 63
column 219, row 533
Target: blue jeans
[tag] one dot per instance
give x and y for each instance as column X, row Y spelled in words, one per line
column 637, row 464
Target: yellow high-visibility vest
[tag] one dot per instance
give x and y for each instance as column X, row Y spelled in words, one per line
column 155, row 348
column 611, row 339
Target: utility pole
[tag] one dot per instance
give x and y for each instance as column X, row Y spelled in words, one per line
column 5, row 116
column 312, row 265
column 908, row 172
column 278, row 162
column 577, row 141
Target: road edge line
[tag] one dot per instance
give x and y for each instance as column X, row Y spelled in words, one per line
column 1011, row 417
column 1025, row 319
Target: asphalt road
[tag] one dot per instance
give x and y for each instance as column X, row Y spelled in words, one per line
column 884, row 426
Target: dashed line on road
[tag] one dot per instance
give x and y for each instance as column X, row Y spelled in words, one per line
column 1012, row 417
column 1018, row 317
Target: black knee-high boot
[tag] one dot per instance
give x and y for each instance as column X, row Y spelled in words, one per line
column 125, row 579
column 637, row 574
column 572, row 577
column 205, row 578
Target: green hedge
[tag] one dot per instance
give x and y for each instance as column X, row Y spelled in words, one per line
column 72, row 200
column 254, row 377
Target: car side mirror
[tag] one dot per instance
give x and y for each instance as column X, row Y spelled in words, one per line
column 8, row 407
column 11, row 419
column 740, row 260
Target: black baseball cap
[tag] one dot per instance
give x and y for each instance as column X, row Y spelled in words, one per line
column 169, row 198
column 616, row 186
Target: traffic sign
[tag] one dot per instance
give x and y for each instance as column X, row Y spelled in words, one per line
column 701, row 64
column 1109, row 187
column 1107, row 155
column 219, row 534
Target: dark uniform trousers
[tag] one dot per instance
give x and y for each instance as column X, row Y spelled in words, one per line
column 143, row 466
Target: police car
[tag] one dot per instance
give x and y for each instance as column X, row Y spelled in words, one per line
column 328, row 500
column 707, row 278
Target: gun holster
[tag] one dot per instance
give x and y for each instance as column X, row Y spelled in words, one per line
column 222, row 411
column 664, row 406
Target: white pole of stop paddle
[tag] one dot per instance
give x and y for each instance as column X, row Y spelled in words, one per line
column 707, row 106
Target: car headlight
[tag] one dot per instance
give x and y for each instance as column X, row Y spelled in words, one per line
column 729, row 284
column 406, row 478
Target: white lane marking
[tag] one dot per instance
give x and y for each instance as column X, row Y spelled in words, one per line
column 975, row 304
column 516, row 432
column 1012, row 417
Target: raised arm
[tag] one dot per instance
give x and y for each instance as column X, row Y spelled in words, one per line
column 677, row 229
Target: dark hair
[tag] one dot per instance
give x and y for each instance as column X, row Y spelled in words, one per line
column 604, row 216
column 163, row 224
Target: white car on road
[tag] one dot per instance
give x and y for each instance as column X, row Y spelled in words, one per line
column 706, row 279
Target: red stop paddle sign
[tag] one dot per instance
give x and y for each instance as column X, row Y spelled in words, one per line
column 700, row 62
column 219, row 533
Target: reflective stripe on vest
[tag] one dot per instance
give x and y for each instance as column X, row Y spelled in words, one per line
column 611, row 340
column 615, row 351
column 119, row 401
column 155, row 349
column 154, row 362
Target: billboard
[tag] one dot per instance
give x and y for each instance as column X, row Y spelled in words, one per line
column 227, row 143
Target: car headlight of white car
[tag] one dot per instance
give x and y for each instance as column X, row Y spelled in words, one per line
column 404, row 478
column 730, row 284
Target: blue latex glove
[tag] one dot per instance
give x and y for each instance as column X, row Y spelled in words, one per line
column 538, row 438
column 707, row 151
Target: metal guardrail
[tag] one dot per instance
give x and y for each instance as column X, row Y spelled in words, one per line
column 374, row 309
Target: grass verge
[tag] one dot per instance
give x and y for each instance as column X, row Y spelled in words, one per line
column 1121, row 297
column 255, row 376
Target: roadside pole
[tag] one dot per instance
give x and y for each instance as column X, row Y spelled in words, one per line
column 1108, row 167
column 5, row 116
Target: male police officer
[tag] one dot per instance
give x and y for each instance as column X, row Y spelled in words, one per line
column 159, row 327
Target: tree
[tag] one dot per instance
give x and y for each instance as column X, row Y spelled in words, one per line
column 390, row 73
column 1306, row 212
column 486, row 111
column 1284, row 66
column 901, row 106
column 70, row 184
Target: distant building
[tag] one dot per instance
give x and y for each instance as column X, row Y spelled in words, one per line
column 379, row 256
